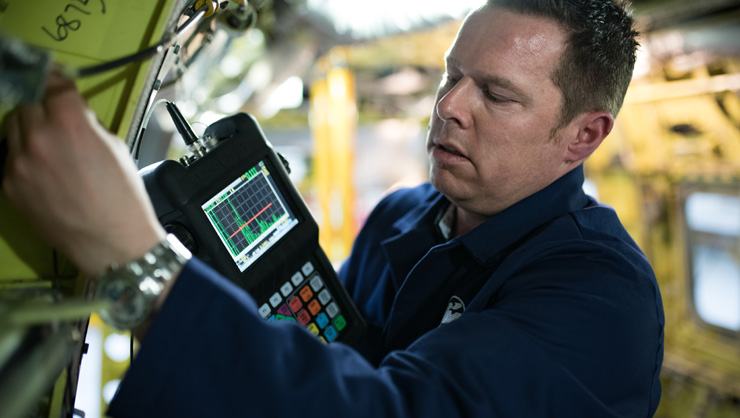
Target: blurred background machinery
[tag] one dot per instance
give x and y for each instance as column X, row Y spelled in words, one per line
column 344, row 90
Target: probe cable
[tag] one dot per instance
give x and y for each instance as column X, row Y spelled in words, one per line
column 166, row 42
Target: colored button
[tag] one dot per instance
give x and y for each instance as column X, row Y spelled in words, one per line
column 297, row 278
column 322, row 320
column 275, row 299
column 264, row 310
column 323, row 340
column 316, row 283
column 306, row 293
column 312, row 328
column 279, row 317
column 340, row 322
column 307, row 268
column 330, row 333
column 304, row 318
column 324, row 296
column 286, row 288
column 295, row 304
column 332, row 310
column 284, row 310
column 314, row 307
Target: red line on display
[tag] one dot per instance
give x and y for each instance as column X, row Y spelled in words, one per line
column 247, row 223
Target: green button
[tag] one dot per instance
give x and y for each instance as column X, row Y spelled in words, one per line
column 340, row 323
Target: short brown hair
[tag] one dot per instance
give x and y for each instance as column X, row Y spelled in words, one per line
column 596, row 67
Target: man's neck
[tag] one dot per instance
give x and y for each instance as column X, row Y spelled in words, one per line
column 466, row 221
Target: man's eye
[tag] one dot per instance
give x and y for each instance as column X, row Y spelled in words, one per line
column 494, row 98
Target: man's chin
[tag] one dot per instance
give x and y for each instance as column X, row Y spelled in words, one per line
column 447, row 185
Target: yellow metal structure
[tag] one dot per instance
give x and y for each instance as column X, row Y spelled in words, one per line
column 673, row 138
column 333, row 119
column 78, row 34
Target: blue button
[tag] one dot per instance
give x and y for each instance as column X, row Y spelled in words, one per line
column 330, row 333
column 322, row 320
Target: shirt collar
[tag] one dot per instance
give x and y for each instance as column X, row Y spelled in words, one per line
column 446, row 222
column 501, row 230
column 564, row 195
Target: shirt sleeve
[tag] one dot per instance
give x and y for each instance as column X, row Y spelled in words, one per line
column 208, row 353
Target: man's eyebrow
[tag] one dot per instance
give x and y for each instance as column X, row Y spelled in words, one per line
column 488, row 79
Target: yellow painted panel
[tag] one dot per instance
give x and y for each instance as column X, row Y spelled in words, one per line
column 79, row 33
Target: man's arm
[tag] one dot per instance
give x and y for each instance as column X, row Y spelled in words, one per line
column 77, row 183
column 550, row 349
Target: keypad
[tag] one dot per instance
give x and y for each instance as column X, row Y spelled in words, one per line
column 297, row 278
column 295, row 304
column 316, row 283
column 324, row 296
column 304, row 298
column 330, row 333
column 307, row 269
column 314, row 307
column 286, row 288
column 306, row 293
column 332, row 310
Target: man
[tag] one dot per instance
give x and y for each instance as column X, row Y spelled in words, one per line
column 501, row 291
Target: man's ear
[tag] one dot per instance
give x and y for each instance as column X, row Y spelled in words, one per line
column 592, row 127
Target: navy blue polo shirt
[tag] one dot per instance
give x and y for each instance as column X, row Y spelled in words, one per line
column 564, row 320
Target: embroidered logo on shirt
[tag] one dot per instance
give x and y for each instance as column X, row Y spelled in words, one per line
column 455, row 309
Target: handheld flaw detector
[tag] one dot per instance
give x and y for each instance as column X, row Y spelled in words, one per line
column 231, row 202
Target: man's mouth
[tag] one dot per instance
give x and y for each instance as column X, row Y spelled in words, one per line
column 451, row 151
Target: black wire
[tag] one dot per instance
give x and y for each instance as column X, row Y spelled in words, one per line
column 128, row 59
column 154, row 49
column 144, row 53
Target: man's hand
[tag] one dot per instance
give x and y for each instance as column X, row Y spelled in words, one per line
column 77, row 182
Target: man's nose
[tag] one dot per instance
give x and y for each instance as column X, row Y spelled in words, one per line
column 455, row 105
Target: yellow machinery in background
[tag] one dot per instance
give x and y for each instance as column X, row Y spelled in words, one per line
column 671, row 169
column 333, row 120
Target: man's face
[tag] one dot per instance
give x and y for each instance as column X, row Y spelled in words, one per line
column 490, row 140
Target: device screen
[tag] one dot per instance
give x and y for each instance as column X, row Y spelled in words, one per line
column 250, row 215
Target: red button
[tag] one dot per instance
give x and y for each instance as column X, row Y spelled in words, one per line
column 295, row 304
column 304, row 317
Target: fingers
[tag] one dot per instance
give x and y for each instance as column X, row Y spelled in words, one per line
column 30, row 117
column 14, row 142
column 61, row 101
column 14, row 134
column 9, row 166
column 34, row 132
column 61, row 96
